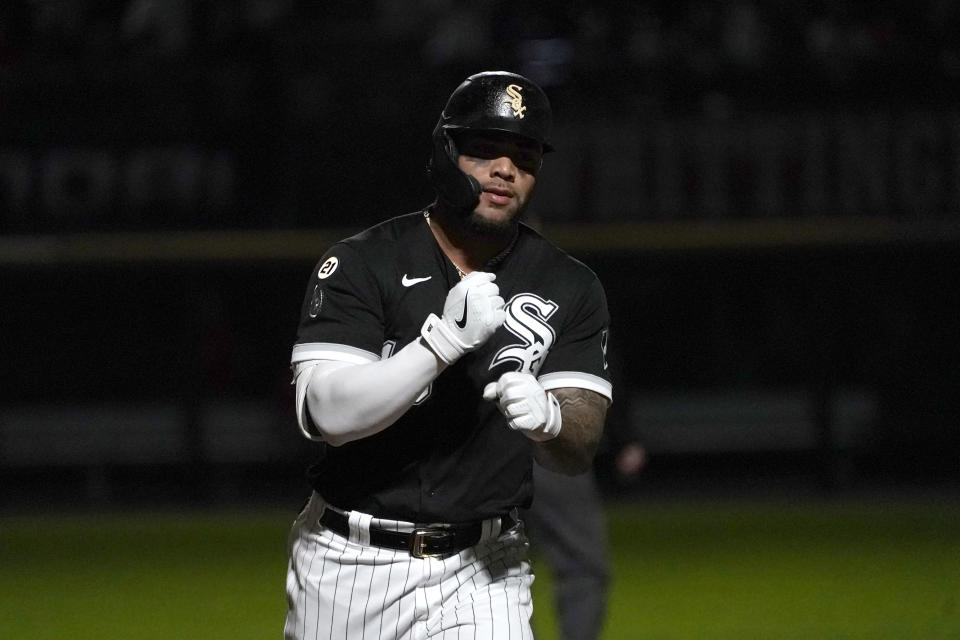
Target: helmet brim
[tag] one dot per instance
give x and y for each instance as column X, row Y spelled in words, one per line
column 455, row 128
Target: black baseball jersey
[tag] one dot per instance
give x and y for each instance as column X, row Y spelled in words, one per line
column 451, row 457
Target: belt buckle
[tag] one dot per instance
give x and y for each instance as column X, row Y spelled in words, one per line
column 419, row 538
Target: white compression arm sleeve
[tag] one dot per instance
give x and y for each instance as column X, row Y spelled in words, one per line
column 346, row 401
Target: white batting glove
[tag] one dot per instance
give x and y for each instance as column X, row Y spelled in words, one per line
column 527, row 407
column 472, row 312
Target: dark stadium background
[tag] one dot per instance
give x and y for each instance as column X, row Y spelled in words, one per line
column 769, row 191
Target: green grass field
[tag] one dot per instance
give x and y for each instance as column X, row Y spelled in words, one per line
column 716, row 570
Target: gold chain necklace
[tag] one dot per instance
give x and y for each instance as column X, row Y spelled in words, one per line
column 460, row 272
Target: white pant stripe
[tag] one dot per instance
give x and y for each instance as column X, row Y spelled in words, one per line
column 367, row 600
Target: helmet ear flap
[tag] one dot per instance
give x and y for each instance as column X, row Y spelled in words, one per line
column 454, row 187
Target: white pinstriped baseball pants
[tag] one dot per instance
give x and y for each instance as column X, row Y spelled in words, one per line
column 339, row 588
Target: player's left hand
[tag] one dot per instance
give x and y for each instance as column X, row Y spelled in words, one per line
column 526, row 405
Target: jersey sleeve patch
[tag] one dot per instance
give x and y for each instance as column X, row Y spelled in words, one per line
column 342, row 305
column 328, row 267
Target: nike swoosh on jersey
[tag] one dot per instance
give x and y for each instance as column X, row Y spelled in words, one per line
column 462, row 322
column 409, row 282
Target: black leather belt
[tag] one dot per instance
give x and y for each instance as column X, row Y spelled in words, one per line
column 428, row 541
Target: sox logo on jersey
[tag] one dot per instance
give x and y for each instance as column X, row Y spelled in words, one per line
column 527, row 315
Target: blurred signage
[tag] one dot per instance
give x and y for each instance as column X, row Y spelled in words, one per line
column 766, row 166
column 88, row 187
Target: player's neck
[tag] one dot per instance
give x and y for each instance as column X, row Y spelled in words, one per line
column 468, row 251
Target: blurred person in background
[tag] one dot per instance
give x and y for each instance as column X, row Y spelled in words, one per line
column 567, row 522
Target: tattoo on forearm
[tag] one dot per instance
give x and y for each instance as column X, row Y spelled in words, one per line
column 585, row 409
column 583, row 416
column 581, row 398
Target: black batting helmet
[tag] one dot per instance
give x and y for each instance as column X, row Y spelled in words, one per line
column 489, row 101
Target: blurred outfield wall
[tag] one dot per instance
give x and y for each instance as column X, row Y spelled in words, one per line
column 771, row 199
column 742, row 354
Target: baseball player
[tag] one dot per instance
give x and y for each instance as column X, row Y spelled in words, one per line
column 438, row 355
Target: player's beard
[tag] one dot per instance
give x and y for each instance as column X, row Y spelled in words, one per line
column 481, row 226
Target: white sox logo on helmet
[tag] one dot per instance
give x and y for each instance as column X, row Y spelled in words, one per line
column 515, row 100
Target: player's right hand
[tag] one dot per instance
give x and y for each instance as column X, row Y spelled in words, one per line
column 472, row 312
